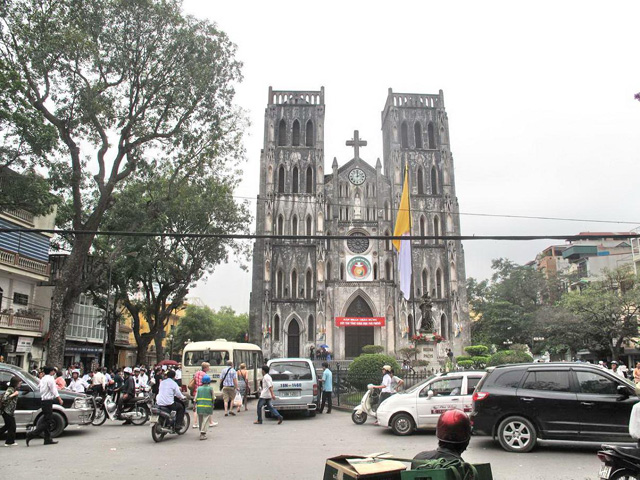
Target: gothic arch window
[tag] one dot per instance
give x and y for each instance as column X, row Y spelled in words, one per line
column 311, row 329
column 411, row 326
column 279, row 284
column 431, row 136
column 423, row 228
column 308, row 139
column 328, row 210
column 295, row 134
column 294, row 225
column 280, row 230
column 267, row 272
column 436, row 229
column 420, row 181
column 375, row 271
column 309, row 223
column 387, row 211
column 294, row 284
column 404, row 135
column 425, row 281
column 276, row 328
column 282, row 133
column 387, row 241
column 329, row 270
column 388, row 273
column 341, row 271
column 438, row 283
column 281, row 179
column 417, row 129
column 328, row 241
column 309, row 285
column 453, row 274
column 309, row 180
column 434, row 181
column 295, row 180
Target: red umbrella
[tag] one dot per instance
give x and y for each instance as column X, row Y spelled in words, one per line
column 168, row 362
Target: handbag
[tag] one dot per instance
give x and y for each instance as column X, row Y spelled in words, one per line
column 192, row 384
column 237, row 401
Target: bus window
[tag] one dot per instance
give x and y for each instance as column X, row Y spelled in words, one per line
column 216, row 358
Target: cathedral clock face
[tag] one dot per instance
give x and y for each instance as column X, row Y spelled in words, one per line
column 357, row 176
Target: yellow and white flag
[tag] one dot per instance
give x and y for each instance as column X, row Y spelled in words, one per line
column 403, row 228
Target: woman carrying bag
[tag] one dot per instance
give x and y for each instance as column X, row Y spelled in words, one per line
column 243, row 385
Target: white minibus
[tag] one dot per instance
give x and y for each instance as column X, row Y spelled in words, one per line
column 217, row 352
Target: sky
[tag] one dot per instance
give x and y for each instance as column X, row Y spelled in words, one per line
column 539, row 97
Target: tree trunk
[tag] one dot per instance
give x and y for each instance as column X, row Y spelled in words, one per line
column 159, row 348
column 143, row 346
column 67, row 290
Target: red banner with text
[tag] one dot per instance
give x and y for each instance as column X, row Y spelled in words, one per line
column 359, row 321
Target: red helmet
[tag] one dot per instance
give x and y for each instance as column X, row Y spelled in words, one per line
column 454, row 426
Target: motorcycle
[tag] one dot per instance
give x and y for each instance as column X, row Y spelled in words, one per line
column 367, row 407
column 163, row 422
column 619, row 463
column 136, row 412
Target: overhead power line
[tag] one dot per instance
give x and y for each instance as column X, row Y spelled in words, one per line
column 253, row 236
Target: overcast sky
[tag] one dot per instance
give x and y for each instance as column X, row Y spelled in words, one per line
column 539, row 97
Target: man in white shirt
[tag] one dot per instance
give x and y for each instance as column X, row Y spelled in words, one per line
column 615, row 369
column 386, row 386
column 48, row 393
column 144, row 378
column 77, row 384
column 98, row 382
column 167, row 392
column 266, row 396
column 179, row 375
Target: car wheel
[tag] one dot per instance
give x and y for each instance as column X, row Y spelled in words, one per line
column 402, row 424
column 517, row 434
column 56, row 425
column 624, row 475
column 359, row 418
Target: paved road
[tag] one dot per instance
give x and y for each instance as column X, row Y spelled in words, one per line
column 297, row 449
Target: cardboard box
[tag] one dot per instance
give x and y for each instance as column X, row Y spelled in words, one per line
column 358, row 467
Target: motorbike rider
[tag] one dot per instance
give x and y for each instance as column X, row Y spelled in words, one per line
column 386, row 386
column 167, row 393
column 77, row 384
column 127, row 393
column 453, row 432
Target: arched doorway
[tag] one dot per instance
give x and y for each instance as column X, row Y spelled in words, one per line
column 357, row 337
column 293, row 339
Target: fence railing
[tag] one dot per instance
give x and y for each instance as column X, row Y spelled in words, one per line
column 348, row 390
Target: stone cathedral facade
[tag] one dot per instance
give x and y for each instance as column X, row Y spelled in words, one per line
column 345, row 292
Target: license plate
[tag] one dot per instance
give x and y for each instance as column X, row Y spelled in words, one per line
column 290, row 393
column 605, row 472
column 153, row 418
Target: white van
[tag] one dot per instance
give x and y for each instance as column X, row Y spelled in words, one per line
column 295, row 384
column 217, row 353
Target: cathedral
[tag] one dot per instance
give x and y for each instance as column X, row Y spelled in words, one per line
column 345, row 293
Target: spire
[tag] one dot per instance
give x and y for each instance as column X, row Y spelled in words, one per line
column 334, row 165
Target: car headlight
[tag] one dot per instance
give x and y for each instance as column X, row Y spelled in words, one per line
column 81, row 402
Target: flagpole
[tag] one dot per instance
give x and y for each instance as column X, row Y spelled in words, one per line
column 412, row 286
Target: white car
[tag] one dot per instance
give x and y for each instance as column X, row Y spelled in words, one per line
column 421, row 405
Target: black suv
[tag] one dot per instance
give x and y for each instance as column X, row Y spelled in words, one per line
column 555, row 401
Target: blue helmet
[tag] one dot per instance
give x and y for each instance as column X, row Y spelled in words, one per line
column 206, row 379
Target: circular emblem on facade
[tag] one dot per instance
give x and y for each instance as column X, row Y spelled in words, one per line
column 358, row 243
column 359, row 268
column 357, row 176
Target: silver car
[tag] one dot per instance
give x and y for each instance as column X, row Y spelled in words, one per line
column 295, row 384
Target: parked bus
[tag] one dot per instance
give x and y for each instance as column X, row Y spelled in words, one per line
column 217, row 353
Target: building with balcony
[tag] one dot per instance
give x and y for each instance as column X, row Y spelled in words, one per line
column 24, row 265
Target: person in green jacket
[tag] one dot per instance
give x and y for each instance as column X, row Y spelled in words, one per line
column 204, row 405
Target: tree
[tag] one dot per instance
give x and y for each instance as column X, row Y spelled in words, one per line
column 120, row 82
column 506, row 306
column 608, row 309
column 203, row 323
column 154, row 283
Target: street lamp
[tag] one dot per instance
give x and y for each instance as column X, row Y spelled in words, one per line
column 171, row 346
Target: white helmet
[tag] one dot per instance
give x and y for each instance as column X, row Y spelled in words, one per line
column 137, row 369
column 128, row 370
column 75, row 371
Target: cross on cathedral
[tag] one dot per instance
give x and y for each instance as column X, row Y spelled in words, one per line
column 356, row 143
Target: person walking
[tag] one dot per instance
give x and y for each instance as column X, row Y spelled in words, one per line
column 98, row 382
column 243, row 385
column 178, row 378
column 327, row 387
column 636, row 373
column 8, row 408
column 204, row 405
column 48, row 393
column 229, row 382
column 266, row 397
column 60, row 381
column 193, row 386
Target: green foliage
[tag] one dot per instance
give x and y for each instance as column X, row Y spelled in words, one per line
column 420, row 363
column 372, row 349
column 480, row 361
column 474, row 350
column 407, row 352
column 466, row 364
column 367, row 369
column 508, row 356
column 463, row 358
column 205, row 324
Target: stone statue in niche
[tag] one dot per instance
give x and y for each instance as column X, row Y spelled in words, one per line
column 357, row 210
column 426, row 323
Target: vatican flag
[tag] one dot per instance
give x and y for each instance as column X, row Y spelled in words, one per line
column 403, row 228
